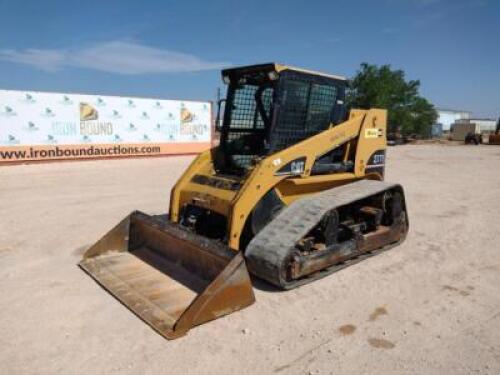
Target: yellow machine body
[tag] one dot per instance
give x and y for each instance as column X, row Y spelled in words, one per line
column 364, row 132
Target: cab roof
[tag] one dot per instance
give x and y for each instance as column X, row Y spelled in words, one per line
column 269, row 67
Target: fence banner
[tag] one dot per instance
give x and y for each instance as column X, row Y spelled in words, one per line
column 50, row 126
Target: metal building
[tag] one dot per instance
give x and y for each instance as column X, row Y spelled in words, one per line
column 447, row 117
column 483, row 125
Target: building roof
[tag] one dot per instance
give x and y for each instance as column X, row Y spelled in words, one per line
column 453, row 110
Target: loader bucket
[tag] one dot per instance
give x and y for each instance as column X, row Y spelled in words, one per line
column 171, row 278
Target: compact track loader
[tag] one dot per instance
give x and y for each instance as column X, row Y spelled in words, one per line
column 294, row 192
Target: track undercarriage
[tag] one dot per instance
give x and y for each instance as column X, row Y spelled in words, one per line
column 318, row 235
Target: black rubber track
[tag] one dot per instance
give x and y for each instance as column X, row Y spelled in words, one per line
column 269, row 251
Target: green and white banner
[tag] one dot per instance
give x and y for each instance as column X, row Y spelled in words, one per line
column 48, row 119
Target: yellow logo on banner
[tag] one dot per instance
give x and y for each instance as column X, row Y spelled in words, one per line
column 372, row 133
column 87, row 112
column 186, row 116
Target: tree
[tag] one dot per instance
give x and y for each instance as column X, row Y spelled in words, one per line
column 381, row 87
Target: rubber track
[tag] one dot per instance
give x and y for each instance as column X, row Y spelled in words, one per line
column 268, row 252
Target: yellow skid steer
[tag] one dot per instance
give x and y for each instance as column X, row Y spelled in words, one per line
column 293, row 192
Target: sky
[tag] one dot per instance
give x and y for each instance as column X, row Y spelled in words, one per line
column 175, row 49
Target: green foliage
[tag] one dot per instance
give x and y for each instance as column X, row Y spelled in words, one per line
column 381, row 87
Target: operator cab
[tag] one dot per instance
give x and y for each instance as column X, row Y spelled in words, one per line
column 270, row 107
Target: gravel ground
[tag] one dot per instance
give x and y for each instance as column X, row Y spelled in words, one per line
column 430, row 306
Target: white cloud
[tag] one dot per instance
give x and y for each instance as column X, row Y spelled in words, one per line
column 45, row 59
column 121, row 57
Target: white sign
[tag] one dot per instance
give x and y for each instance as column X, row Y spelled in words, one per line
column 48, row 119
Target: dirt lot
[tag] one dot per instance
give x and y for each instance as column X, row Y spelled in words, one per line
column 430, row 306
